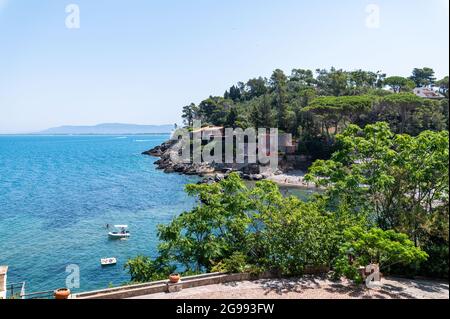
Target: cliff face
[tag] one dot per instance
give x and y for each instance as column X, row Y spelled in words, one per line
column 248, row 171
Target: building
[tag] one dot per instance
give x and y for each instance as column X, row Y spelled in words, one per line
column 427, row 93
column 212, row 131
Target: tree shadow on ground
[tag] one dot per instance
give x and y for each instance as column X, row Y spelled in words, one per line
column 391, row 288
column 430, row 286
column 362, row 292
column 288, row 285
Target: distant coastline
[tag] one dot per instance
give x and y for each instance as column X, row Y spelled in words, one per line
column 107, row 129
column 86, row 134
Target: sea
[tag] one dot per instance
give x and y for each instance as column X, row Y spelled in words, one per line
column 58, row 194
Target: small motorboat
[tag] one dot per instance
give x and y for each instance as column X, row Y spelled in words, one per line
column 108, row 261
column 120, row 233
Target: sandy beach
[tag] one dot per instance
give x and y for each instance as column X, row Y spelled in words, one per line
column 293, row 178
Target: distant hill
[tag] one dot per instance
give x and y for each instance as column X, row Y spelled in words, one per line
column 110, row 129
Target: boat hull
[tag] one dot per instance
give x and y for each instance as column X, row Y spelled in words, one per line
column 108, row 261
column 118, row 235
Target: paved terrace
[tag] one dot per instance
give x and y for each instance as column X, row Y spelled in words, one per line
column 311, row 287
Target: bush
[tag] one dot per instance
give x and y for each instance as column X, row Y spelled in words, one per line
column 375, row 246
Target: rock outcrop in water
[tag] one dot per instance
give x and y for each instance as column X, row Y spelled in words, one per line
column 213, row 172
column 166, row 151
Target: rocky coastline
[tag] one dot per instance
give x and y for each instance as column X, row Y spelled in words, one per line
column 285, row 175
column 211, row 172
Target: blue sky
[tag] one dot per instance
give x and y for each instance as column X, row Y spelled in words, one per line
column 140, row 61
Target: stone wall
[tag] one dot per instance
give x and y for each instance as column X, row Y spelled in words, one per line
column 185, row 283
column 165, row 286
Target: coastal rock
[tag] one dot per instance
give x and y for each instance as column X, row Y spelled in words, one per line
column 168, row 150
column 207, row 180
column 251, row 169
column 169, row 170
column 219, row 177
column 212, row 179
column 158, row 151
column 256, row 177
column 227, row 171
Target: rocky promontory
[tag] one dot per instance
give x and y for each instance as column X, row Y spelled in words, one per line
column 212, row 172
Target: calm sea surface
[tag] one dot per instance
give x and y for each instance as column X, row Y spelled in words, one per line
column 57, row 193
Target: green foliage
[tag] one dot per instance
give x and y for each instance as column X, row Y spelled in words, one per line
column 402, row 180
column 236, row 263
column 214, row 229
column 334, row 112
column 255, row 88
column 261, row 113
column 143, row 269
column 315, row 106
column 375, row 176
column 333, row 82
column 437, row 265
column 423, row 77
column 443, row 86
column 374, row 246
column 235, row 228
column 399, row 84
column 190, row 112
column 278, row 85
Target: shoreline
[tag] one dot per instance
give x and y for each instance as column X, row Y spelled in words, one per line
column 292, row 178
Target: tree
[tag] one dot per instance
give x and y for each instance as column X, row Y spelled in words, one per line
column 403, row 104
column 262, row 114
column 304, row 77
column 211, row 231
column 145, row 269
column 291, row 234
column 303, row 104
column 234, row 227
column 333, row 82
column 360, row 81
column 443, row 86
column 234, row 94
column 232, row 118
column 214, row 110
column 256, row 88
column 278, row 82
column 305, row 96
column 375, row 246
column 399, row 180
column 189, row 114
column 237, row 228
column 423, row 77
column 445, row 111
column 335, row 112
column 399, row 84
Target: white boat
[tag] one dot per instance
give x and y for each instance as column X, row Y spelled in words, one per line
column 121, row 232
column 108, row 261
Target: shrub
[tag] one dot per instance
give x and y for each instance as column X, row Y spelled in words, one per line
column 375, row 246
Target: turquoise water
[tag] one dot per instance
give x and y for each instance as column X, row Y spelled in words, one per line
column 57, row 193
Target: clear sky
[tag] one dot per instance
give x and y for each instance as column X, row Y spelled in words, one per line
column 140, row 61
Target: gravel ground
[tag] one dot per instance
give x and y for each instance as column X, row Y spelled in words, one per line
column 313, row 288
